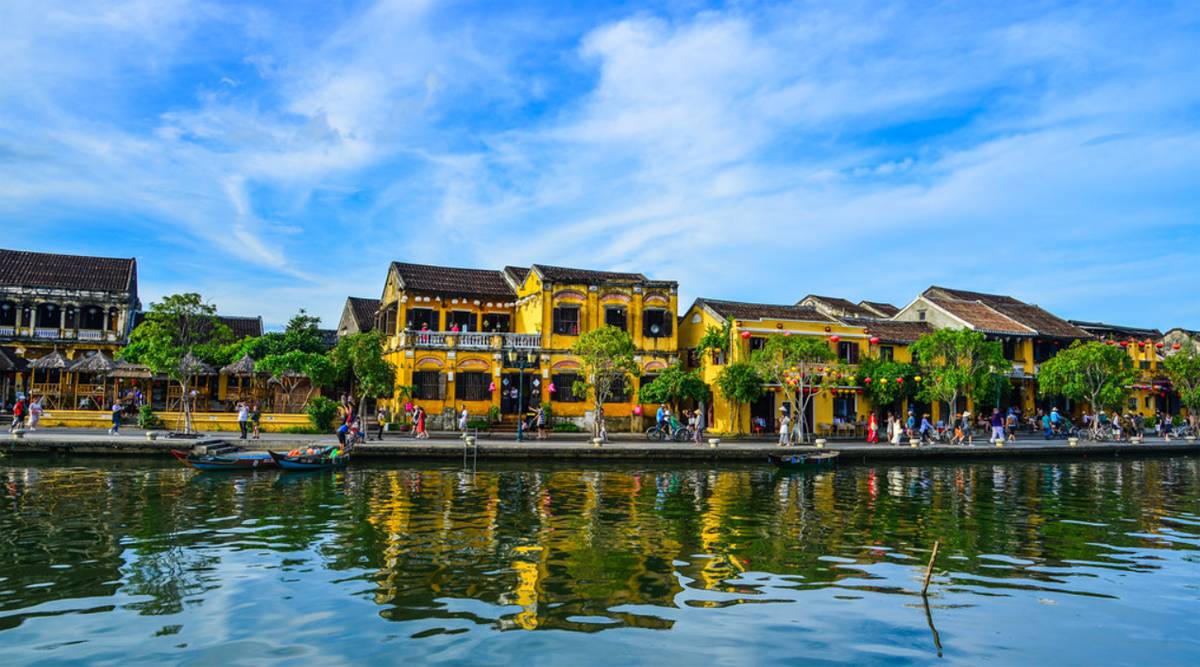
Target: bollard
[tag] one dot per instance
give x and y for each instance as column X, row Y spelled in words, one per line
column 1072, row 441
column 714, row 442
column 914, row 442
column 999, row 442
column 819, row 443
column 470, row 440
column 596, row 442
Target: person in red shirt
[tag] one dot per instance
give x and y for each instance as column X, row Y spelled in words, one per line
column 18, row 415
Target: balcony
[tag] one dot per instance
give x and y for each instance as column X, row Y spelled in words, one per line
column 8, row 331
column 471, row 340
column 91, row 334
column 40, row 332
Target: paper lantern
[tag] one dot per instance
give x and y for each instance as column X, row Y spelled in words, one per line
column 492, row 387
column 1175, row 346
column 899, row 380
column 551, row 387
column 917, row 378
column 882, row 380
column 867, row 380
column 1124, row 344
column 745, row 334
column 1158, row 345
column 874, row 340
column 834, row 338
column 637, row 410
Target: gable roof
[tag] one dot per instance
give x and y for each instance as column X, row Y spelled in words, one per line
column 562, row 274
column 881, row 308
column 1102, row 330
column 891, row 331
column 76, row 272
column 998, row 313
column 516, row 275
column 453, row 281
column 741, row 310
column 242, row 326
column 838, row 306
column 362, row 310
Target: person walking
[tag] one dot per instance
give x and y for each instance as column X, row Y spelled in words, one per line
column 926, row 431
column 698, row 430
column 421, row 416
column 911, row 425
column 243, row 418
column 1010, row 426
column 997, row 425
column 116, row 419
column 381, row 418
column 18, row 420
column 967, row 429
column 463, row 418
column 539, row 418
column 35, row 413
column 255, row 420
column 872, row 429
column 785, row 428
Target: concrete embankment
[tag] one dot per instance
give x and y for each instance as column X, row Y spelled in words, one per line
column 453, row 449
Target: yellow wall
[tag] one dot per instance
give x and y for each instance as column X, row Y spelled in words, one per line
column 203, row 421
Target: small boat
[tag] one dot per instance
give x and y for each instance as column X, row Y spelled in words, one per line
column 803, row 461
column 223, row 456
column 318, row 458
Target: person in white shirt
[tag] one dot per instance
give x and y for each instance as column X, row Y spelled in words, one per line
column 785, row 428
column 243, row 412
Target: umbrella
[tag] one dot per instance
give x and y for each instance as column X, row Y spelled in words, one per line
column 190, row 365
column 52, row 361
column 97, row 363
column 243, row 367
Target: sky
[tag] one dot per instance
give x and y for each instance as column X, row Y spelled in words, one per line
column 278, row 155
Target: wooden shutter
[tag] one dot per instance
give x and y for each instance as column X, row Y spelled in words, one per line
column 441, row 386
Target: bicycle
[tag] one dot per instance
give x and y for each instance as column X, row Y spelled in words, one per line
column 666, row 433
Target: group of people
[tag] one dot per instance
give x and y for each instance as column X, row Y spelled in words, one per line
column 26, row 414
column 667, row 422
column 249, row 417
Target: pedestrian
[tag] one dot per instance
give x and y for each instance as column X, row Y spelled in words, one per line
column 896, row 430
column 698, row 431
column 603, row 423
column 116, row 419
column 872, row 429
column 421, row 432
column 911, row 425
column 968, row 430
column 381, row 418
column 243, row 418
column 785, row 428
column 463, row 417
column 926, row 431
column 997, row 425
column 1010, row 426
column 659, row 416
column 540, row 419
column 18, row 421
column 35, row 413
column 256, row 420
column 1047, row 427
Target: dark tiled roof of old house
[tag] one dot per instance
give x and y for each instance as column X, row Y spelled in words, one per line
column 890, row 331
column 517, row 274
column 983, row 317
column 363, row 311
column 73, row 272
column 881, row 308
column 839, row 306
column 242, row 326
column 11, row 362
column 740, row 310
column 1116, row 331
column 450, row 281
column 562, row 274
column 1029, row 316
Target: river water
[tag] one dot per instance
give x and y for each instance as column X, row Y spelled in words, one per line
column 540, row 564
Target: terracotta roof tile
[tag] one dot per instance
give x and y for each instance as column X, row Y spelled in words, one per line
column 453, row 281
column 892, row 331
column 363, row 311
column 881, row 308
column 562, row 274
column 741, row 310
column 242, row 326
column 983, row 317
column 840, row 306
column 38, row 269
column 1030, row 316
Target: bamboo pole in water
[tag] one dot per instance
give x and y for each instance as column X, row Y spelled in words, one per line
column 929, row 569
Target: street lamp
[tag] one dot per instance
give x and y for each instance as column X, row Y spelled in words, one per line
column 521, row 361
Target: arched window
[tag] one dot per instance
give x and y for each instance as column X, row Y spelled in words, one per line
column 48, row 316
column 26, row 314
column 72, row 317
column 91, row 317
column 113, row 318
column 8, row 314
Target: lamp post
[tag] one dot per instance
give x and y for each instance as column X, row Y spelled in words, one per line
column 521, row 361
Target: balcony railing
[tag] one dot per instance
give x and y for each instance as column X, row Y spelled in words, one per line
column 8, row 331
column 470, row 340
column 39, row 332
column 91, row 334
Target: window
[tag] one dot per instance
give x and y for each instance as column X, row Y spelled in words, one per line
column 616, row 316
column 566, row 320
column 1011, row 348
column 1144, row 365
column 620, row 391
column 48, row 316
column 848, row 352
column 429, row 385
column 656, row 323
column 563, row 388
column 92, row 318
column 1043, row 351
column 472, row 386
column 757, row 343
column 8, row 314
column 422, row 318
column 496, row 322
column 920, row 315
column 887, row 353
column 114, row 318
column 464, row 320
column 845, row 409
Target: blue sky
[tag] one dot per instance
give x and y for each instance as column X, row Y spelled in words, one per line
column 277, row 155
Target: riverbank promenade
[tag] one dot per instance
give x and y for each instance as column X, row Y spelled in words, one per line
column 450, row 446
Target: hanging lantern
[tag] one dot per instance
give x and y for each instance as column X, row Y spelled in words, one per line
column 551, row 387
column 1158, row 345
column 882, row 380
column 867, row 380
column 834, row 338
column 874, row 340
column 1109, row 342
column 1124, row 343
column 899, row 380
column 1175, row 346
column 491, row 387
column 917, row 378
column 745, row 334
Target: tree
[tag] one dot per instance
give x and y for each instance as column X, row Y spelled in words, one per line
column 885, row 381
column 956, row 363
column 740, row 384
column 715, row 339
column 1183, row 369
column 292, row 368
column 1093, row 372
column 300, row 335
column 359, row 358
column 800, row 365
column 176, row 331
column 606, row 357
column 674, row 386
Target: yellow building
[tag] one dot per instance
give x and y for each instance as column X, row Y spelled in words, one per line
column 459, row 337
column 1152, row 391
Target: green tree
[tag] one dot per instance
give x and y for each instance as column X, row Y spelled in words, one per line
column 176, row 331
column 606, row 357
column 1093, row 372
column 1183, row 369
column 291, row 369
column 800, row 365
column 674, row 386
column 300, row 335
column 715, row 339
column 956, row 363
column 879, row 380
column 740, row 384
column 359, row 359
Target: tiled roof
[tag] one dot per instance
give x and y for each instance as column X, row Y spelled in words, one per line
column 517, row 274
column 363, row 311
column 883, row 309
column 1034, row 318
column 453, row 281
column 1115, row 331
column 561, row 274
column 740, row 310
column 839, row 306
column 242, row 326
column 892, row 331
column 983, row 317
column 38, row 269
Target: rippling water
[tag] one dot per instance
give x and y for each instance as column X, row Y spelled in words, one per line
column 1072, row 563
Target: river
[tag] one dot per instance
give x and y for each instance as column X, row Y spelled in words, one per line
column 136, row 561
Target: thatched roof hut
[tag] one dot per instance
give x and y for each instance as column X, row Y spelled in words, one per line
column 243, row 367
column 97, row 363
column 191, row 365
column 50, row 362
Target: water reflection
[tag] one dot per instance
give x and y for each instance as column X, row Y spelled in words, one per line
column 442, row 552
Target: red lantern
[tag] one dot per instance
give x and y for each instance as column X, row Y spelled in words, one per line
column 899, row 380
column 1109, row 342
column 867, row 380
column 1158, row 345
column 834, row 338
column 874, row 340
column 745, row 334
column 1124, row 343
column 1175, row 346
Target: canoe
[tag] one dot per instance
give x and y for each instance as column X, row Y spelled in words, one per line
column 223, row 456
column 321, row 461
column 802, row 461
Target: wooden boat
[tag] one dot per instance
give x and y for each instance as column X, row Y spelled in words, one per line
column 803, row 461
column 223, row 456
column 322, row 458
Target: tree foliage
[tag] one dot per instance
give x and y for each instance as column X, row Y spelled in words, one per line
column 290, row 369
column 801, row 366
column 359, row 359
column 715, row 339
column 740, row 384
column 885, row 381
column 955, row 363
column 1183, row 369
column 606, row 357
column 300, row 335
column 674, row 386
column 1093, row 372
